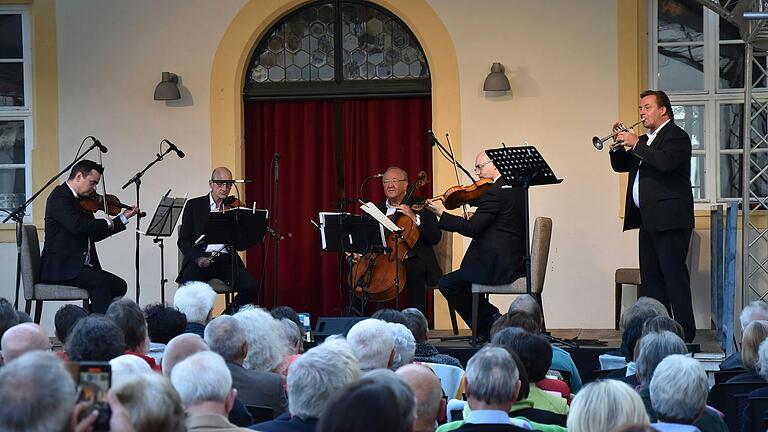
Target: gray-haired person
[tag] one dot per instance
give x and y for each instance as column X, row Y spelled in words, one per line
column 679, row 393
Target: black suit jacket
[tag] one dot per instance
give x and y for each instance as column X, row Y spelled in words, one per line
column 429, row 236
column 666, row 200
column 192, row 227
column 68, row 231
column 497, row 228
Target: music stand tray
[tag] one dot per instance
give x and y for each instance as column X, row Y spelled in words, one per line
column 523, row 167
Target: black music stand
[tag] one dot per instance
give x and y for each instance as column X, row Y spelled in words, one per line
column 237, row 229
column 346, row 233
column 524, row 167
column 162, row 225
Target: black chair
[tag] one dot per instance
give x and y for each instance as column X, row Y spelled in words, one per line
column 260, row 413
column 757, row 408
column 731, row 399
column 725, row 375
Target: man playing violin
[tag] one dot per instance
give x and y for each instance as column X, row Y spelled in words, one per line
column 204, row 261
column 69, row 254
column 421, row 268
column 495, row 255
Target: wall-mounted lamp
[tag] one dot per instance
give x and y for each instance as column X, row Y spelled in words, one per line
column 168, row 88
column 496, row 80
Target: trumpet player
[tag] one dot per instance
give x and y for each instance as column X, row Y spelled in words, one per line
column 660, row 203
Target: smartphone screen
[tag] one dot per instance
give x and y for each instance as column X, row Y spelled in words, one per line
column 94, row 380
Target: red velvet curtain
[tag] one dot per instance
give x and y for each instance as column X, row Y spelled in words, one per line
column 374, row 134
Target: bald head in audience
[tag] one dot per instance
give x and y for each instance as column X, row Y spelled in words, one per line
column 429, row 395
column 179, row 348
column 23, row 338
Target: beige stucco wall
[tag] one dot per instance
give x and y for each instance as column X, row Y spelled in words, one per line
column 561, row 58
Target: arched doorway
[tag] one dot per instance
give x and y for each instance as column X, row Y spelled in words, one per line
column 336, row 90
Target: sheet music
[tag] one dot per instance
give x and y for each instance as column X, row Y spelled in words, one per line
column 380, row 217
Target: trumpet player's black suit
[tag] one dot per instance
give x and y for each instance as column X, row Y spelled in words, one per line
column 495, row 255
column 665, row 216
column 192, row 227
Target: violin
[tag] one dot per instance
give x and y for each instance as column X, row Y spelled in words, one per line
column 95, row 202
column 231, row 202
column 457, row 196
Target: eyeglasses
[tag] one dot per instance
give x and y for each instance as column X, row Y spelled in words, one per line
column 479, row 167
column 223, row 183
column 391, row 182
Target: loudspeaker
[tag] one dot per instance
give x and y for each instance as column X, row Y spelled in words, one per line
column 327, row 326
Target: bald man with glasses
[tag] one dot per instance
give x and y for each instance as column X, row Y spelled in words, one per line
column 495, row 255
column 204, row 261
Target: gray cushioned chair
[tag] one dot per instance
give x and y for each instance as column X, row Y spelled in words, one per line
column 30, row 273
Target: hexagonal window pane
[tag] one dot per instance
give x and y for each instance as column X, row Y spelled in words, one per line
column 318, row 58
column 376, row 57
column 267, row 59
column 276, row 74
column 384, row 71
column 259, row 74
column 326, row 73
column 301, row 58
column 415, row 69
column 293, row 73
column 275, row 43
column 400, row 70
column 292, row 43
column 317, row 29
column 358, row 57
column 374, row 26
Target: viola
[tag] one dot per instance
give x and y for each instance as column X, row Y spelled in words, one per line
column 457, row 196
column 95, row 202
column 231, row 202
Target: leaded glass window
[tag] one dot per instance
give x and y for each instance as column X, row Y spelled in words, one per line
column 337, row 48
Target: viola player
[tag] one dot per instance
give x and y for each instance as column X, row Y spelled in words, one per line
column 69, row 254
column 495, row 255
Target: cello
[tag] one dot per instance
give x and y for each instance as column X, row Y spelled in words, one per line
column 374, row 274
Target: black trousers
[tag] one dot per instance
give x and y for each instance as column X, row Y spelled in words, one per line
column 458, row 291
column 246, row 285
column 416, row 283
column 102, row 286
column 664, row 274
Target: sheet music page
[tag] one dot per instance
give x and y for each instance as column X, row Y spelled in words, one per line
column 380, row 217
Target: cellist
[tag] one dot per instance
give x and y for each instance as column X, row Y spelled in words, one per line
column 421, row 268
column 495, row 255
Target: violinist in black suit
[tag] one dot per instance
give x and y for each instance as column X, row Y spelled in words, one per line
column 495, row 256
column 69, row 253
column 421, row 267
column 204, row 261
column 660, row 203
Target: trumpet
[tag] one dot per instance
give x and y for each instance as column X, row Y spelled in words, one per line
column 598, row 142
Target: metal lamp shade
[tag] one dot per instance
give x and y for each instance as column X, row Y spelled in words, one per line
column 168, row 88
column 496, row 80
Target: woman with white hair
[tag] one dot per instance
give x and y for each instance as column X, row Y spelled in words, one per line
column 604, row 406
column 405, row 345
column 679, row 393
column 195, row 300
column 267, row 347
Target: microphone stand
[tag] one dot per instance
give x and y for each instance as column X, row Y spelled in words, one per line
column 276, row 236
column 18, row 217
column 136, row 179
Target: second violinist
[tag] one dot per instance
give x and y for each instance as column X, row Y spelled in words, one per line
column 495, row 255
column 69, row 254
column 421, row 266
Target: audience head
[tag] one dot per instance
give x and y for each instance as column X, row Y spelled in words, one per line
column 491, row 379
column 645, row 307
column 292, row 336
column 226, row 337
column 179, row 348
column 428, row 393
column 23, row 317
column 662, row 323
column 755, row 333
column 417, row 324
column 522, row 374
column 127, row 315
column 195, row 300
column 8, row 316
column 65, row 319
column 533, row 349
column 319, row 374
column 518, row 319
column 373, row 343
column 390, row 316
column 632, row 333
column 126, row 367
column 364, row 406
column 762, row 360
column 405, row 345
column 23, row 338
column 201, row 378
column 164, row 322
column 281, row 312
column 757, row 310
column 95, row 338
column 152, row 403
column 604, row 406
column 679, row 389
column 529, row 305
column 267, row 346
column 653, row 348
column 37, row 394
column 404, row 397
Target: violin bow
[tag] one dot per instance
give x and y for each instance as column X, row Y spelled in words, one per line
column 455, row 170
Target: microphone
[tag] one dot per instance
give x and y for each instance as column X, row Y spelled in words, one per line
column 431, row 137
column 173, row 148
column 241, row 181
column 98, row 144
column 379, row 175
column 277, row 167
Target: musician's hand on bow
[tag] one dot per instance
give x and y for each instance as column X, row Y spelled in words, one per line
column 436, row 207
column 406, row 210
column 203, row 262
column 131, row 212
